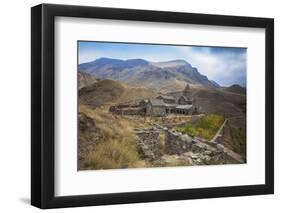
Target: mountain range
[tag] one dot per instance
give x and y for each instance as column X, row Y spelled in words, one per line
column 164, row 76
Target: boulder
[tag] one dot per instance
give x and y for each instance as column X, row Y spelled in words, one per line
column 186, row 138
column 207, row 152
column 198, row 147
column 220, row 147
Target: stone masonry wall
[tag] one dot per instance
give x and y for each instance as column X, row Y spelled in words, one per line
column 200, row 153
column 147, row 143
column 176, row 143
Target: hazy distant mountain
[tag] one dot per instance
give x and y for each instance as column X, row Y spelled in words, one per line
column 169, row 75
column 235, row 88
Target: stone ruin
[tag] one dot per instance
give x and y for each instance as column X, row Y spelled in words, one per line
column 176, row 143
column 183, row 147
column 148, row 144
column 200, row 153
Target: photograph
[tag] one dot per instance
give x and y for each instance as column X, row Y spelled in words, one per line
column 160, row 105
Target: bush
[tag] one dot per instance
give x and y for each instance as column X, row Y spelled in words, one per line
column 206, row 127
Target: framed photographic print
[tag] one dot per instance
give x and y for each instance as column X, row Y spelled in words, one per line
column 139, row 106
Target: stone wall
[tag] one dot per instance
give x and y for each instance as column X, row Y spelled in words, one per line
column 127, row 110
column 200, row 153
column 182, row 147
column 176, row 143
column 148, row 145
column 155, row 110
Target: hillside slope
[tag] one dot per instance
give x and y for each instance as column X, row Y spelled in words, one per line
column 216, row 101
column 107, row 92
column 235, row 88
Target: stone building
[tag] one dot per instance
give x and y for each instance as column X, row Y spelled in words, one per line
column 163, row 105
column 167, row 99
column 156, row 107
column 185, row 101
column 187, row 92
column 159, row 106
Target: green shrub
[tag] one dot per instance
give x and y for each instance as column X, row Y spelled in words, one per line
column 206, row 127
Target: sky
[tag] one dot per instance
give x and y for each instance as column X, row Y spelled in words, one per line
column 225, row 65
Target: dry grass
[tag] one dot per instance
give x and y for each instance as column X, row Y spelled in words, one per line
column 115, row 148
column 161, row 141
column 111, row 125
column 173, row 161
column 178, row 163
column 113, row 154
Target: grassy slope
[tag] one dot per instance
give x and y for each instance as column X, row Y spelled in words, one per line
column 114, row 145
column 235, row 139
column 206, row 127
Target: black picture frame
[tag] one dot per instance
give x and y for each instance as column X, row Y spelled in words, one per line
column 43, row 102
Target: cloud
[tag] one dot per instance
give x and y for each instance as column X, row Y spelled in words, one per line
column 226, row 66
